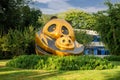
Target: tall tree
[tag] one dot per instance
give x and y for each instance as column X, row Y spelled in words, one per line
column 108, row 26
column 30, row 16
column 10, row 13
column 16, row 13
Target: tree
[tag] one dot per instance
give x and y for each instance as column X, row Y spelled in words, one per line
column 10, row 13
column 17, row 14
column 80, row 19
column 30, row 16
column 83, row 38
column 108, row 26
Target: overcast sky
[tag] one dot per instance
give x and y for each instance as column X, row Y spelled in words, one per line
column 56, row 6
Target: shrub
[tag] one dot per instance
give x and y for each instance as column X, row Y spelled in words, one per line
column 112, row 58
column 25, row 61
column 18, row 42
column 82, row 37
column 3, row 50
column 60, row 63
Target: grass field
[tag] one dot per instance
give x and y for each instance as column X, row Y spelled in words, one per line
column 7, row 73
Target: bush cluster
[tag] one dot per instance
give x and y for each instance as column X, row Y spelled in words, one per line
column 17, row 42
column 112, row 58
column 60, row 63
column 82, row 37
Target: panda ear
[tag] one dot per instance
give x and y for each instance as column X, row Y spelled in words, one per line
column 53, row 17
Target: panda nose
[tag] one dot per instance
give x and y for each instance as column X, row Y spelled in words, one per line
column 66, row 41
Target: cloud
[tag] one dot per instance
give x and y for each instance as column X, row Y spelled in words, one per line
column 49, row 11
column 53, row 6
column 47, row 1
column 87, row 9
column 56, row 6
column 92, row 9
column 42, row 1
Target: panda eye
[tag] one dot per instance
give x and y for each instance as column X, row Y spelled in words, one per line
column 52, row 27
column 65, row 30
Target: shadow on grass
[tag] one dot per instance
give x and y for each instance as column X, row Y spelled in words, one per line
column 117, row 63
column 12, row 74
column 2, row 68
column 45, row 75
column 115, row 76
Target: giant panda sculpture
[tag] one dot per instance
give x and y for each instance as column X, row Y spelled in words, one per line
column 57, row 38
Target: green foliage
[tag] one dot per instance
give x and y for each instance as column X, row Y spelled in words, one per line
column 25, row 61
column 30, row 17
column 108, row 26
column 16, row 14
column 3, row 55
column 18, row 42
column 82, row 37
column 79, row 19
column 45, row 18
column 60, row 63
column 10, row 14
column 112, row 58
column 17, row 24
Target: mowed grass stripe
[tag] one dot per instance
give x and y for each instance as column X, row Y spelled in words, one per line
column 7, row 73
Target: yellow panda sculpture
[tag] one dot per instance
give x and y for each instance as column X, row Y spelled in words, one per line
column 57, row 38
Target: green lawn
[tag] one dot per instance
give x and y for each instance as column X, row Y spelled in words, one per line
column 7, row 73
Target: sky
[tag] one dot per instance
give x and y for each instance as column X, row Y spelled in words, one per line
column 56, row 6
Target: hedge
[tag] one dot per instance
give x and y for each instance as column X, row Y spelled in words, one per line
column 60, row 63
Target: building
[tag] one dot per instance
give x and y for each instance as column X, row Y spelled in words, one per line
column 96, row 47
